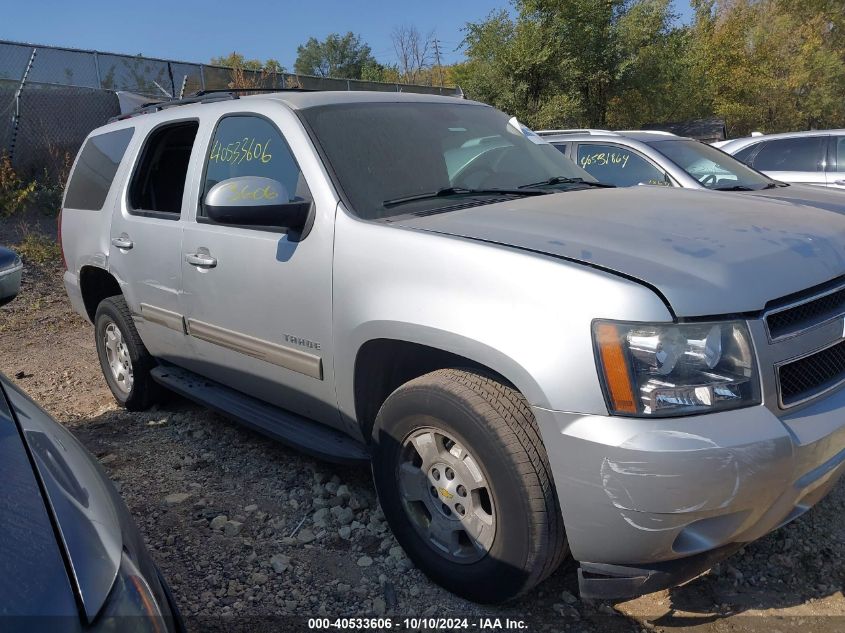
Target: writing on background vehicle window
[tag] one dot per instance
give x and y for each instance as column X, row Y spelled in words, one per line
column 252, row 146
column 618, row 166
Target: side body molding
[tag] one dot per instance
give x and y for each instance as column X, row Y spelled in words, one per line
column 281, row 355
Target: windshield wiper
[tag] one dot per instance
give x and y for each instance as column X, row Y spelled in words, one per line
column 561, row 180
column 734, row 188
column 461, row 191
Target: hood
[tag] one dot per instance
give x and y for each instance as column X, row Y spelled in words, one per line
column 34, row 581
column 706, row 253
column 827, row 198
column 80, row 497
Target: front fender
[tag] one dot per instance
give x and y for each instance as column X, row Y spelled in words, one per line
column 524, row 315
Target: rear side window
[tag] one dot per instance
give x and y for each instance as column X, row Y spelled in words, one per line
column 246, row 145
column 95, row 170
column 159, row 179
column 561, row 147
column 792, row 154
column 618, row 166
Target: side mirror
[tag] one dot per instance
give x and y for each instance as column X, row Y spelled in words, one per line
column 10, row 275
column 256, row 201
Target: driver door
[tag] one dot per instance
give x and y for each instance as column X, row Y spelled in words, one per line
column 257, row 300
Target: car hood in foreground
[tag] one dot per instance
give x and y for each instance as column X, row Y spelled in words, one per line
column 706, row 253
column 89, row 520
column 34, row 581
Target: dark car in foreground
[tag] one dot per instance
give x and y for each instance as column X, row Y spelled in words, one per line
column 10, row 275
column 71, row 557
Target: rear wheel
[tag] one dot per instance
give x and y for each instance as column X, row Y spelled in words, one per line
column 125, row 362
column 465, row 484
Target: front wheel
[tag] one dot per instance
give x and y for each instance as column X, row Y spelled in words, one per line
column 465, row 484
column 125, row 362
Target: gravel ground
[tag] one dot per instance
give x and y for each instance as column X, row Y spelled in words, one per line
column 243, row 526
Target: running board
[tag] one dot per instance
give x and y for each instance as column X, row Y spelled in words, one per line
column 289, row 428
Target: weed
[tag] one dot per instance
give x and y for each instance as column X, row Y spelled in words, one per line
column 15, row 194
column 36, row 248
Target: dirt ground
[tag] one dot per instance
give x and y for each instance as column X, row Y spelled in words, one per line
column 244, row 527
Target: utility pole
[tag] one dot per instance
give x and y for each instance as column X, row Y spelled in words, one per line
column 437, row 60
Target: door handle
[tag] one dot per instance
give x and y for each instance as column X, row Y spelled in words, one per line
column 201, row 260
column 122, row 242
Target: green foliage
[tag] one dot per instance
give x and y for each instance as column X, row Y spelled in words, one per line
column 36, row 248
column 771, row 65
column 15, row 193
column 238, row 61
column 344, row 56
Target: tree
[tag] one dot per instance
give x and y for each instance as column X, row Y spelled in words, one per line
column 413, row 50
column 557, row 62
column 251, row 73
column 343, row 56
column 772, row 65
column 237, row 60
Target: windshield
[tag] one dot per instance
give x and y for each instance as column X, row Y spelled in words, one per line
column 711, row 167
column 415, row 153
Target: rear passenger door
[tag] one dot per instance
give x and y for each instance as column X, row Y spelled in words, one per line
column 259, row 310
column 618, row 165
column 799, row 160
column 146, row 236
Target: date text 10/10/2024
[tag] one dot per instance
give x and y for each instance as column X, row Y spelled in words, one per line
column 417, row 624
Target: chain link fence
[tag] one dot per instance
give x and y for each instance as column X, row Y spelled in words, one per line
column 51, row 98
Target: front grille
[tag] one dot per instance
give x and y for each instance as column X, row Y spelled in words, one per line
column 806, row 315
column 811, row 375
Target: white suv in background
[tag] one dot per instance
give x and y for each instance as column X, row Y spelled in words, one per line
column 816, row 157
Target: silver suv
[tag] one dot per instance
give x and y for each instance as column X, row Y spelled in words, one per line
column 815, row 157
column 635, row 157
column 538, row 366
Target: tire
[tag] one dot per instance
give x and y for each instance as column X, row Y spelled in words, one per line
column 493, row 427
column 141, row 391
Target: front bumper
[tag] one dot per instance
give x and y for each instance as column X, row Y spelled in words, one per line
column 649, row 504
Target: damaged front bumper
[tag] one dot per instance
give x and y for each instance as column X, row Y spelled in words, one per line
column 650, row 504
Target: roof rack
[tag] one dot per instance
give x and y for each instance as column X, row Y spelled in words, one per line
column 201, row 96
column 574, row 131
column 654, row 132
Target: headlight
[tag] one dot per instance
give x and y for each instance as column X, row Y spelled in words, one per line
column 132, row 606
column 673, row 369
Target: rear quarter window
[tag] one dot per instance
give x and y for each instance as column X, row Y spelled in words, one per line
column 95, row 169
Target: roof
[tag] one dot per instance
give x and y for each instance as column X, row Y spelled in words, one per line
column 296, row 99
column 643, row 136
column 763, row 137
column 301, row 100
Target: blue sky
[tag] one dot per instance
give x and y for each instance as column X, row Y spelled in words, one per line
column 195, row 31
